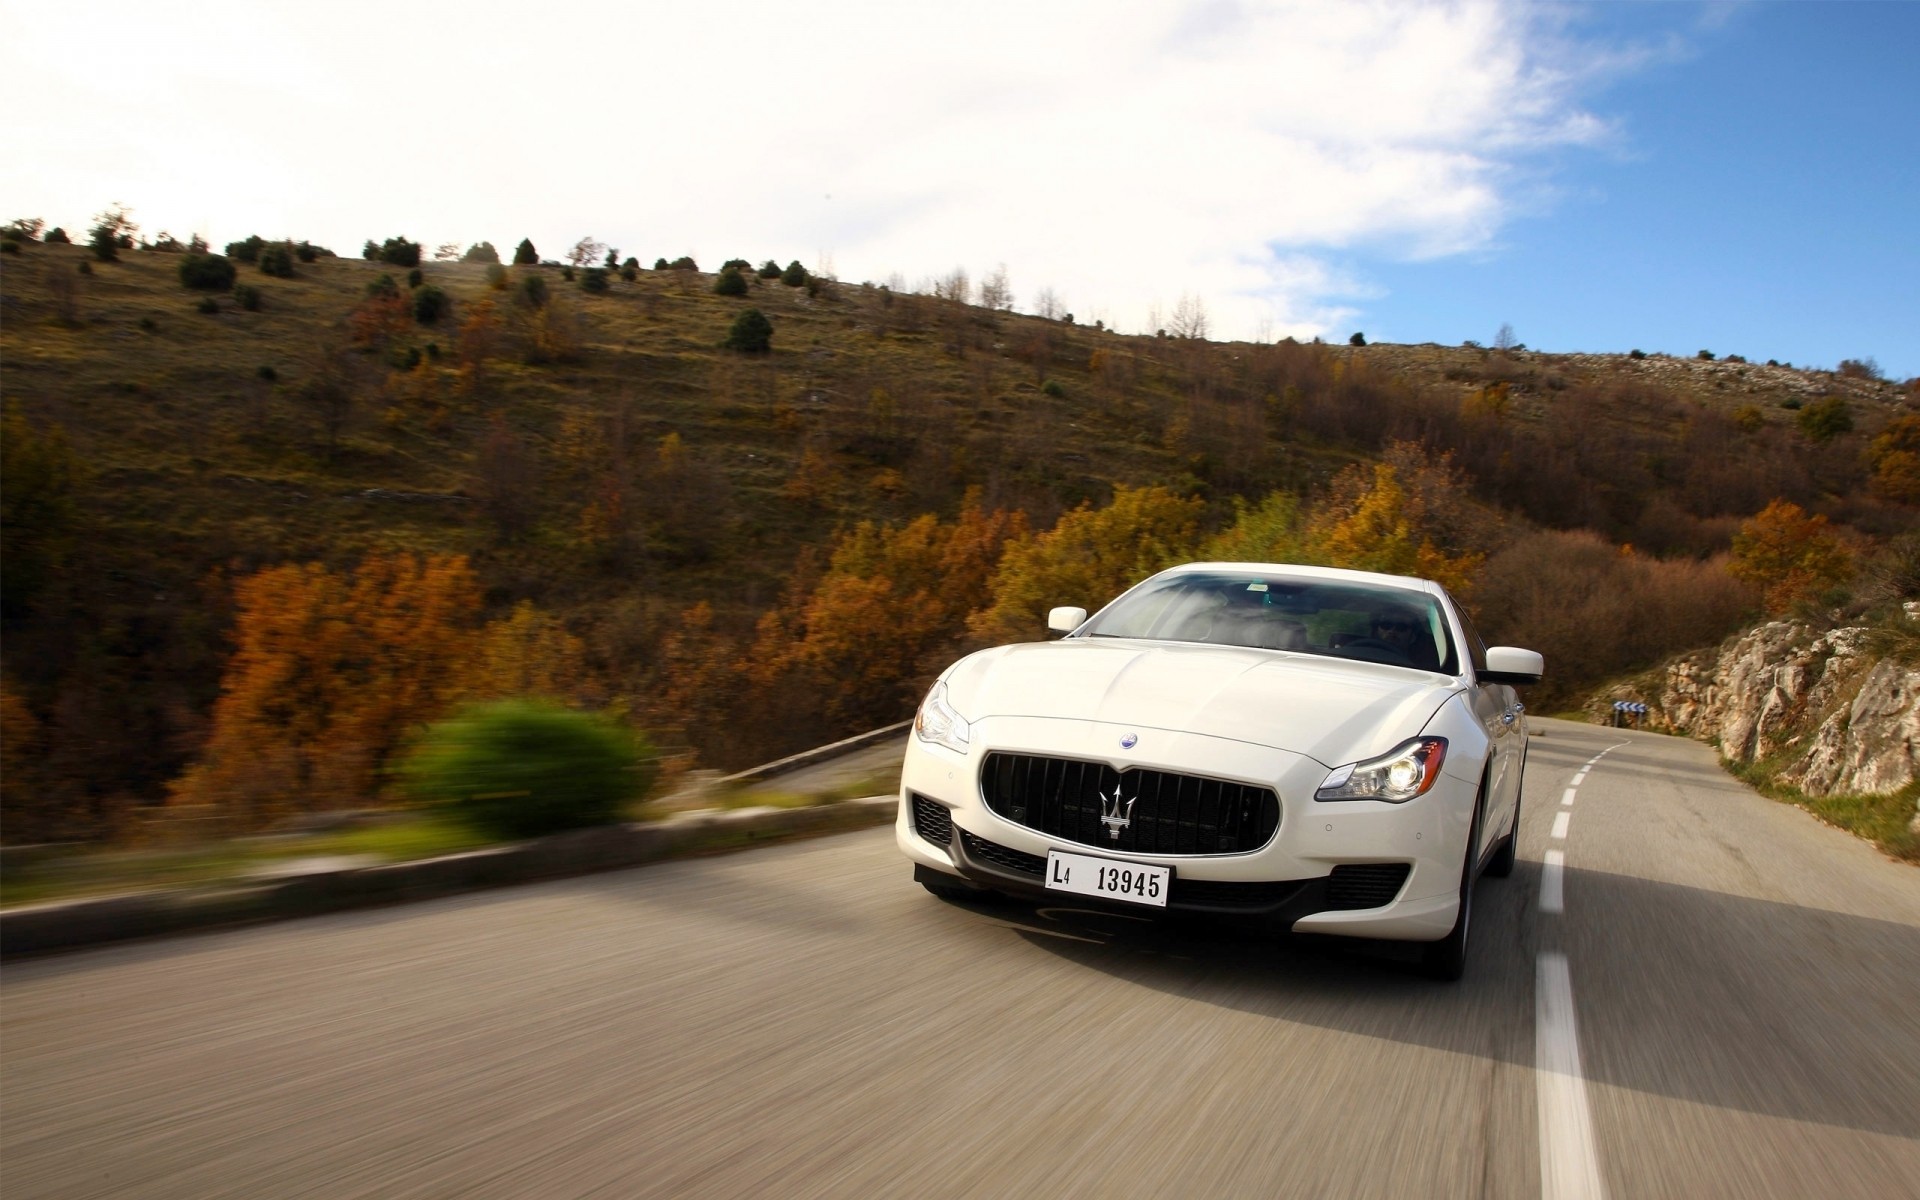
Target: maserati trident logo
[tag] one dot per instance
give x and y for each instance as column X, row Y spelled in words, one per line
column 1116, row 814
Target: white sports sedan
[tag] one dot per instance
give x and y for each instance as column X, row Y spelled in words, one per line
column 1333, row 750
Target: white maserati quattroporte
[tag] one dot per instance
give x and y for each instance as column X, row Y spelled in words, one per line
column 1336, row 751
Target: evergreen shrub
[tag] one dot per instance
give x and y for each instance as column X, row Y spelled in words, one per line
column 525, row 767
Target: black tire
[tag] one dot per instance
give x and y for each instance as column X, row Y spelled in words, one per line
column 1446, row 959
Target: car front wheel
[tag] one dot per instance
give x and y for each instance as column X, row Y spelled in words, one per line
column 1447, row 958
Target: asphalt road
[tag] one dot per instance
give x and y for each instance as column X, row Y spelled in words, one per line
column 1741, row 991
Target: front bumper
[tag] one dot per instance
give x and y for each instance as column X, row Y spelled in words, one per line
column 1330, row 868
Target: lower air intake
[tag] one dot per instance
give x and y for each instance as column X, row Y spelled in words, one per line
column 1365, row 885
column 932, row 821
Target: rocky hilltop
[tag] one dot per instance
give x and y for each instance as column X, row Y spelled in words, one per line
column 1833, row 716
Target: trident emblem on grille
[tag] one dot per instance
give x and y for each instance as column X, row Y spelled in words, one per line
column 1113, row 815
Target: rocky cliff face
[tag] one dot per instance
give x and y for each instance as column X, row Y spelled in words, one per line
column 1847, row 720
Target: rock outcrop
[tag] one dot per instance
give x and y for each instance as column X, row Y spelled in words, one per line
column 1846, row 720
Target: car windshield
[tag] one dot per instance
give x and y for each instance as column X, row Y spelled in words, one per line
column 1335, row 618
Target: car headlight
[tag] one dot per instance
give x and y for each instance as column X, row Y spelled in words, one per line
column 936, row 721
column 1406, row 771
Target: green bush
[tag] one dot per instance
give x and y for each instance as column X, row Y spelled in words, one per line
column 306, row 251
column 276, row 260
column 247, row 251
column 660, row 264
column 1358, row 339
column 481, row 252
column 521, row 768
column 629, row 272
column 247, row 296
column 383, row 287
column 1826, row 419
column 731, row 283
column 735, row 264
column 209, row 306
column 751, row 333
column 430, row 304
column 795, row 275
column 1705, row 356
column 415, row 278
column 632, row 264
column 1636, row 354
column 207, row 272
column 769, row 270
column 400, row 252
column 57, row 237
column 684, row 263
column 533, row 291
column 496, row 277
column 525, row 255
column 593, row 279
column 1052, row 388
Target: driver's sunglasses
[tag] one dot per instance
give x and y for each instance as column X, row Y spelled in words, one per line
column 1394, row 626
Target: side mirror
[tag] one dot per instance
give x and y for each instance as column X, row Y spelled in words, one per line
column 1510, row 664
column 1066, row 620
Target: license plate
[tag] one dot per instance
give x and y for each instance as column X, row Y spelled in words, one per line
column 1111, row 879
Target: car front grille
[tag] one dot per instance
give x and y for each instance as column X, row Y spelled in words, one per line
column 1365, row 885
column 1142, row 811
column 932, row 821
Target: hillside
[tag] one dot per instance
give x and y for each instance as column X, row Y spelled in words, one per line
column 602, row 457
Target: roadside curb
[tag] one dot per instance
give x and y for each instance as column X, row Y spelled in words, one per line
column 334, row 886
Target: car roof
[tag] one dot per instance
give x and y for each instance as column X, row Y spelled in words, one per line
column 1331, row 574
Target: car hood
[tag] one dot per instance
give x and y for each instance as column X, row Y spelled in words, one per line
column 1332, row 710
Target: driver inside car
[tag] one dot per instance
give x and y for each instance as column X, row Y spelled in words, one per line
column 1396, row 628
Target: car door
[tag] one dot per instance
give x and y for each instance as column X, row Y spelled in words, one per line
column 1497, row 707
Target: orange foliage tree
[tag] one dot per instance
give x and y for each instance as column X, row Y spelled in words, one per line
column 1090, row 556
column 331, row 670
column 892, row 602
column 1789, row 555
column 1373, row 523
column 1894, row 456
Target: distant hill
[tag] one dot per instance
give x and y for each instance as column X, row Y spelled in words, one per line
column 600, row 454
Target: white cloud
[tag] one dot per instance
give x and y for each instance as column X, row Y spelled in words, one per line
column 1121, row 154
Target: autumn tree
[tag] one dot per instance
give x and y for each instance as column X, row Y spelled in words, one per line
column 1190, row 318
column 1372, row 523
column 1790, row 556
column 893, row 601
column 1272, row 531
column 330, row 671
column 995, row 292
column 586, row 252
column 1894, row 456
column 1087, row 558
column 525, row 653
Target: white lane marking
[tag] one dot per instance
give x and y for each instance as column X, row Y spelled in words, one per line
column 1552, row 873
column 1561, row 820
column 1568, row 1167
column 1567, row 796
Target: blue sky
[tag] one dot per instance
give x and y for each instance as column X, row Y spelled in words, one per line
column 1760, row 196
column 1739, row 177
